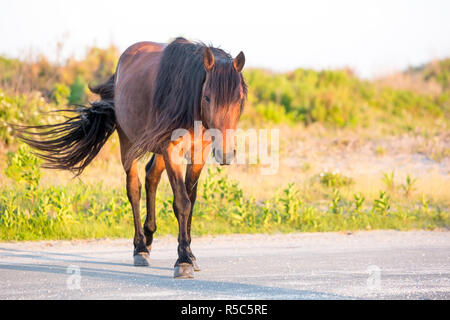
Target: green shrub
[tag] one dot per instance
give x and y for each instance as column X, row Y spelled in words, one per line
column 334, row 179
column 78, row 91
column 61, row 94
column 23, row 167
column 22, row 109
column 337, row 98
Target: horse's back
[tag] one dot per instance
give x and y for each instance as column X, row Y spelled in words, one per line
column 134, row 84
column 138, row 55
column 139, row 48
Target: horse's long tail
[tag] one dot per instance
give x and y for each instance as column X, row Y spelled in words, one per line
column 74, row 143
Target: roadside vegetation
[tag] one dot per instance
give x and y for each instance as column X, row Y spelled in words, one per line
column 333, row 106
column 30, row 211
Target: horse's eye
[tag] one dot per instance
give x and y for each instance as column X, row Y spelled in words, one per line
column 206, row 98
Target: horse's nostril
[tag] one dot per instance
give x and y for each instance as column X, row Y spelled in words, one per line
column 230, row 157
column 224, row 158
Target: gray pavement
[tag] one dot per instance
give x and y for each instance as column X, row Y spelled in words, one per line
column 361, row 265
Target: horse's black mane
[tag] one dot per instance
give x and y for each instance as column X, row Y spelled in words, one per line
column 177, row 96
column 181, row 76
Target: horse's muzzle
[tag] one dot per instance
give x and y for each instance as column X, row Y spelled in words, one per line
column 224, row 159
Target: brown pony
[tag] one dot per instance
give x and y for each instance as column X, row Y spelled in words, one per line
column 156, row 89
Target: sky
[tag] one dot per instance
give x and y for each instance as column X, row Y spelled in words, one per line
column 371, row 37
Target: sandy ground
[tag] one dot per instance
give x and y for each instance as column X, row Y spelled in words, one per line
column 305, row 155
column 362, row 265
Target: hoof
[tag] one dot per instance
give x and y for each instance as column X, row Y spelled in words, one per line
column 195, row 265
column 141, row 259
column 183, row 271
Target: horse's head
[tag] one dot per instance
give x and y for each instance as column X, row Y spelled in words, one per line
column 223, row 95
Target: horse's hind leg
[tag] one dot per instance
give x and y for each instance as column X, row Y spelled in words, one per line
column 140, row 255
column 153, row 171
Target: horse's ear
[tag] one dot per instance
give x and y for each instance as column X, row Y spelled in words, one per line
column 208, row 59
column 239, row 62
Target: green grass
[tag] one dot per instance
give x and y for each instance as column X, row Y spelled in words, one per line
column 82, row 211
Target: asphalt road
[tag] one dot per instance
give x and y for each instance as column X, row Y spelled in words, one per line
column 362, row 265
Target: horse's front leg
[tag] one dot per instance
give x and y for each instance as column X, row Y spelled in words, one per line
column 182, row 208
column 192, row 175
